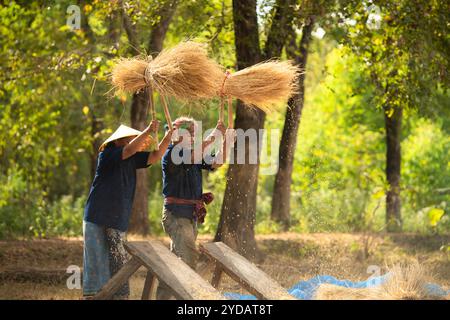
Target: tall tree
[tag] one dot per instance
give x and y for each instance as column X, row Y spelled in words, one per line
column 405, row 56
column 139, row 106
column 237, row 220
column 393, row 127
column 308, row 13
column 282, row 188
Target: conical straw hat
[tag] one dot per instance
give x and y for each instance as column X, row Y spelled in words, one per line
column 121, row 132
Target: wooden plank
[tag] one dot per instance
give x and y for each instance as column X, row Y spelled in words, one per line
column 149, row 286
column 154, row 288
column 118, row 279
column 172, row 271
column 244, row 272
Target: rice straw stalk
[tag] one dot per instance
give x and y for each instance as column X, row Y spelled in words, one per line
column 184, row 72
column 267, row 85
column 403, row 283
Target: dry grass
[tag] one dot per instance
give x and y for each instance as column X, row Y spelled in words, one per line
column 184, row 72
column 266, row 85
column 403, row 283
column 289, row 258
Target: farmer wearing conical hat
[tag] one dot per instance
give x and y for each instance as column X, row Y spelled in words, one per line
column 184, row 200
column 108, row 207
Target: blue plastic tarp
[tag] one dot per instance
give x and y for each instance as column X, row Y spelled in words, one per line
column 305, row 290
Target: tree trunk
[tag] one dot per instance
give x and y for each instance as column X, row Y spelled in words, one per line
column 281, row 25
column 238, row 217
column 393, row 125
column 282, row 187
column 114, row 28
column 237, row 221
column 160, row 29
column 139, row 115
column 139, row 212
column 96, row 126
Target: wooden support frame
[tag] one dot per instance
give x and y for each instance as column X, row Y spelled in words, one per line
column 217, row 276
column 114, row 284
column 162, row 266
column 243, row 272
column 149, row 291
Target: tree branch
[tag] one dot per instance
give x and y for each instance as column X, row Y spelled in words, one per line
column 130, row 30
column 160, row 29
column 276, row 38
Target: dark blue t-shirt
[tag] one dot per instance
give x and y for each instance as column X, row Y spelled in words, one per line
column 112, row 191
column 182, row 181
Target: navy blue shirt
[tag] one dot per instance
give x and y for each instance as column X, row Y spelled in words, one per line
column 112, row 191
column 182, row 181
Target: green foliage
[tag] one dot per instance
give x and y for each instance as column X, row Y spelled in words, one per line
column 155, row 209
column 64, row 216
column 435, row 215
column 214, row 182
column 267, row 226
column 339, row 159
column 54, row 109
column 206, row 21
column 24, row 211
column 406, row 54
column 426, row 175
column 338, row 180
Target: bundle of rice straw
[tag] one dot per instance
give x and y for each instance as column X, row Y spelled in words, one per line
column 267, row 85
column 403, row 283
column 184, row 72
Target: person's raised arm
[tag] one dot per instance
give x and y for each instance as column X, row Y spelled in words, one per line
column 210, row 139
column 141, row 141
column 222, row 155
column 156, row 155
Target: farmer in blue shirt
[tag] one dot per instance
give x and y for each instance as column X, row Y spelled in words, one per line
column 184, row 200
column 108, row 207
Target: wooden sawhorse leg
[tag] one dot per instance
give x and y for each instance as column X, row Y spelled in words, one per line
column 149, row 287
column 118, row 280
column 217, row 275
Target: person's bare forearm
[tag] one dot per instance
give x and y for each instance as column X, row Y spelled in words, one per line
column 223, row 154
column 208, row 140
column 218, row 130
column 135, row 144
column 158, row 154
column 219, row 159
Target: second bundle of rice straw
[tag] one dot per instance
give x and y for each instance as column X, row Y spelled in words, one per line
column 267, row 85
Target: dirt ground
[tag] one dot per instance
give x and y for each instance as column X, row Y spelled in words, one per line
column 36, row 269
